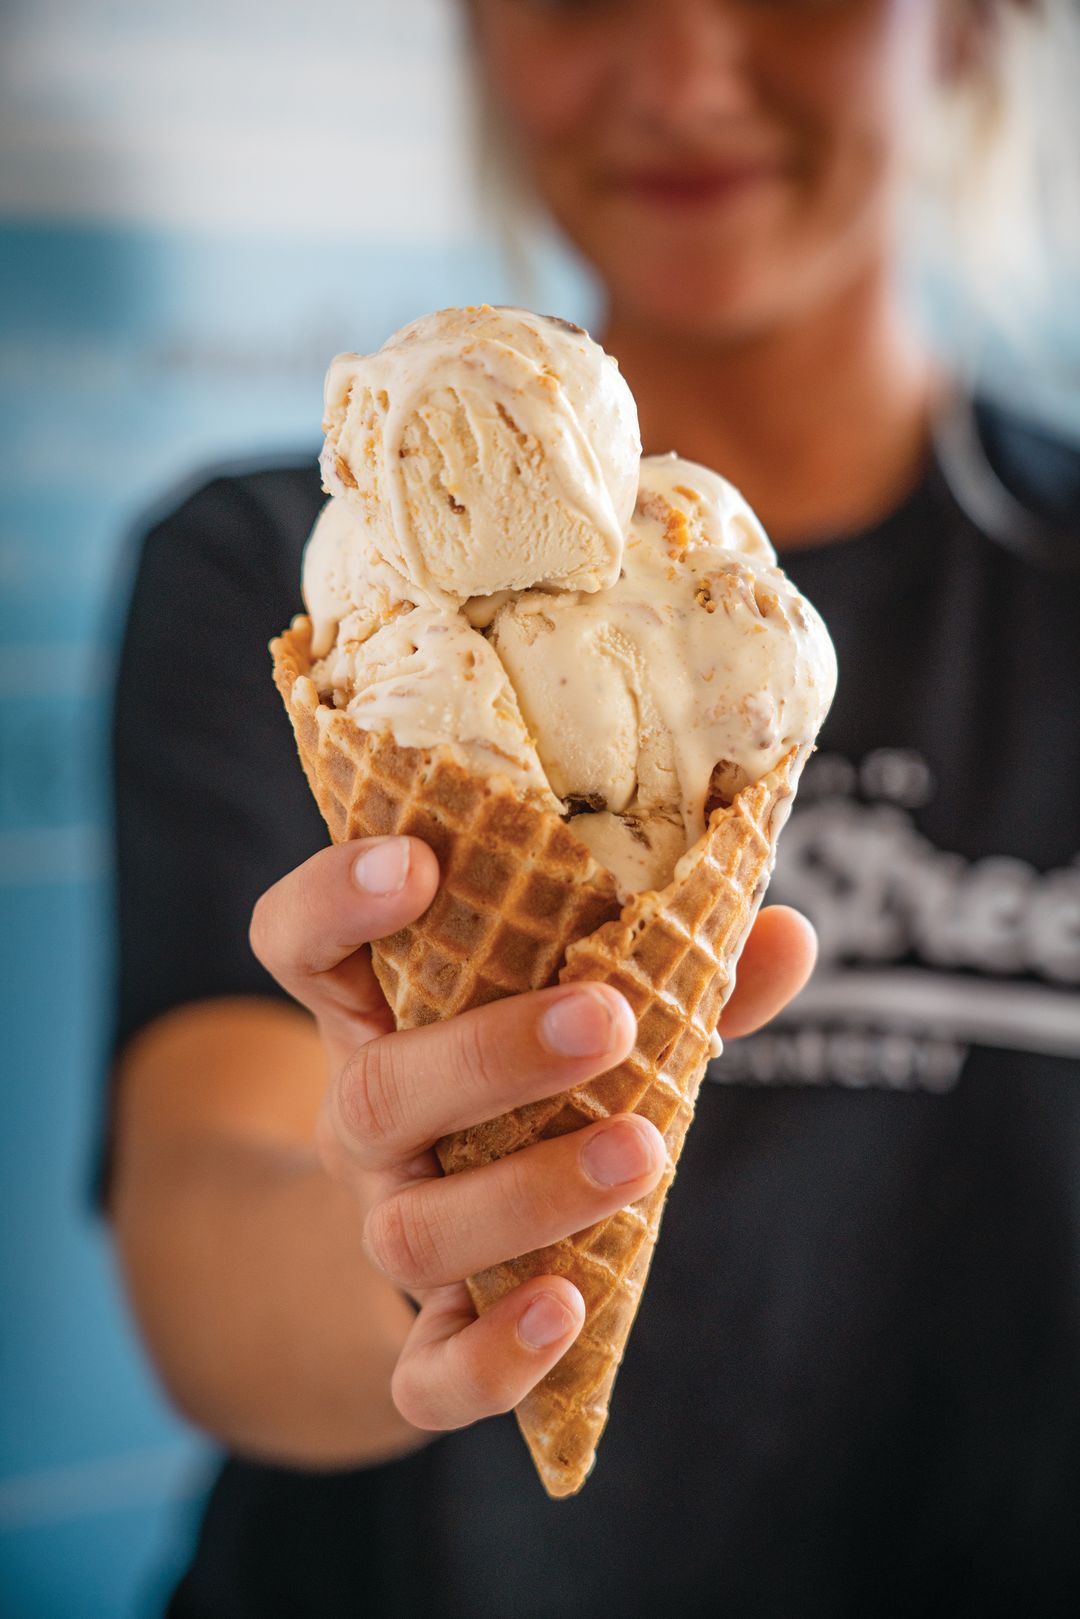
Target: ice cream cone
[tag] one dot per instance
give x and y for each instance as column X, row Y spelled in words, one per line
column 522, row 904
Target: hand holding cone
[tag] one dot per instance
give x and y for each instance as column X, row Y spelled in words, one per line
column 522, row 904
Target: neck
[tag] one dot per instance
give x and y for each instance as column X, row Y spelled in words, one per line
column 822, row 422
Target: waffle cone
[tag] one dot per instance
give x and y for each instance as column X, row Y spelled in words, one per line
column 523, row 904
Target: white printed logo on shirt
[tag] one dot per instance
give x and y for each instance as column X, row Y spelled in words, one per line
column 921, row 950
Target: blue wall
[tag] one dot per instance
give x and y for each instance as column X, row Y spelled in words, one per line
column 128, row 358
column 199, row 206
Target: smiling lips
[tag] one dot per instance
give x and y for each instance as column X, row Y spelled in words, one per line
column 680, row 187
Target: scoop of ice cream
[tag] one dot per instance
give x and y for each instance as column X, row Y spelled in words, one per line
column 486, row 449
column 578, row 667
column 427, row 678
column 345, row 582
column 692, row 675
column 682, row 504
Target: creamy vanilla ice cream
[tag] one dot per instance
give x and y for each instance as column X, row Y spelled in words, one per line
column 498, row 570
column 688, row 678
column 348, row 590
column 485, row 449
column 681, row 505
column 428, row 677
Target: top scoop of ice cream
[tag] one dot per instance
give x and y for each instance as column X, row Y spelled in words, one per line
column 485, row 449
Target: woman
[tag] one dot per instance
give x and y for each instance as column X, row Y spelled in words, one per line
column 853, row 1384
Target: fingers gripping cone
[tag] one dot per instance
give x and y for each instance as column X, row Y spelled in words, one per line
column 523, row 904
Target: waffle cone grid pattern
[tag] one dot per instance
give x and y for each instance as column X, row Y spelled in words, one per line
column 523, row 904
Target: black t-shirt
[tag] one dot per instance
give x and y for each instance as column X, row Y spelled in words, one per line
column 853, row 1387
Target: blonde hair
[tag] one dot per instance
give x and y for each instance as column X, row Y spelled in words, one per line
column 990, row 238
column 992, row 217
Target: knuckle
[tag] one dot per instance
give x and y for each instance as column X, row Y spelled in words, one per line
column 400, row 1242
column 259, row 930
column 367, row 1095
column 475, row 1059
column 417, row 1402
column 529, row 1198
column 486, row 1384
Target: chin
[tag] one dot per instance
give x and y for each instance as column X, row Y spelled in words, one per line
column 702, row 298
column 725, row 276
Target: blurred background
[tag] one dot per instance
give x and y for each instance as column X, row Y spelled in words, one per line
column 199, row 206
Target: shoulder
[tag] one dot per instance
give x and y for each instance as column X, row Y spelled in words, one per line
column 1018, row 480
column 241, row 517
column 213, row 571
column 1040, row 465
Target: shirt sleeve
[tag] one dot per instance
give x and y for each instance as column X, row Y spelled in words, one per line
column 210, row 802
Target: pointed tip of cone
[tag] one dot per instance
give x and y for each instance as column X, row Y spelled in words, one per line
column 560, row 1478
column 562, row 1442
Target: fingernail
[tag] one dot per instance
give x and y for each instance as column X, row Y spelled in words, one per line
column 383, row 867
column 545, row 1321
column 578, row 1025
column 618, row 1153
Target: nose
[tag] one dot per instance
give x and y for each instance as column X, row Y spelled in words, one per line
column 684, row 62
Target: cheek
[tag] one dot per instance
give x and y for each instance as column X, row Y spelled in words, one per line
column 545, row 90
column 859, row 89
